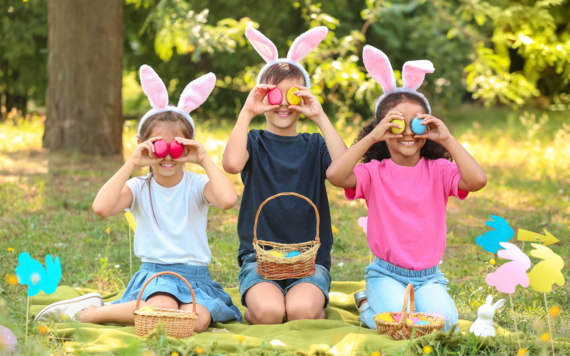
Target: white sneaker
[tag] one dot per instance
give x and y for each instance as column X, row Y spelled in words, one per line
column 66, row 309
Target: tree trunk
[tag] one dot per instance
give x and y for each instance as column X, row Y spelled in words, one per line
column 85, row 64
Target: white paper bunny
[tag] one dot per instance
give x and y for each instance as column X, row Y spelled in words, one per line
column 483, row 326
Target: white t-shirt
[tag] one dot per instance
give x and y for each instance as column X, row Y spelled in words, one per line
column 182, row 216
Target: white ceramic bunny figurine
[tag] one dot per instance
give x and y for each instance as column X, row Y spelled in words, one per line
column 483, row 326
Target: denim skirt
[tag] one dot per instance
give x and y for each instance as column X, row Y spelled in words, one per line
column 208, row 293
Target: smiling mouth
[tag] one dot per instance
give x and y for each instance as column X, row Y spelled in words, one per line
column 407, row 143
column 283, row 113
column 167, row 165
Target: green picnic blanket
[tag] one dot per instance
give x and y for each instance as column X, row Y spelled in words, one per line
column 339, row 334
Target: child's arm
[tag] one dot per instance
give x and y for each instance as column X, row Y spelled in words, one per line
column 115, row 196
column 235, row 154
column 340, row 172
column 473, row 177
column 219, row 191
column 314, row 111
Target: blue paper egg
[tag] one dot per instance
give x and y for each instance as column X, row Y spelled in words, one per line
column 422, row 322
column 293, row 254
column 417, row 126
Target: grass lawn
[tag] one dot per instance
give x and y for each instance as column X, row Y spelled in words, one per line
column 45, row 207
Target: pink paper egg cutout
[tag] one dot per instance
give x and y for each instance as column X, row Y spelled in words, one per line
column 275, row 96
column 175, row 149
column 160, row 149
column 8, row 340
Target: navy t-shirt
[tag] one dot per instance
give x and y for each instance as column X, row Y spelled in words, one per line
column 279, row 164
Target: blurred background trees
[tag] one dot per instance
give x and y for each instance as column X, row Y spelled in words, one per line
column 500, row 52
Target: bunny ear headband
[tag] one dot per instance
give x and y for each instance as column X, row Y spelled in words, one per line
column 194, row 95
column 413, row 74
column 299, row 49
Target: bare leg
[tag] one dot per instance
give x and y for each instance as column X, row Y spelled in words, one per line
column 265, row 304
column 122, row 313
column 305, row 301
column 204, row 318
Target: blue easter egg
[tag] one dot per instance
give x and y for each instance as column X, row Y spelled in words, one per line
column 417, row 126
column 293, row 254
column 422, row 322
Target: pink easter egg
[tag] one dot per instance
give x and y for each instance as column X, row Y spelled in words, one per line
column 397, row 317
column 160, row 149
column 8, row 340
column 274, row 96
column 175, row 149
column 415, row 320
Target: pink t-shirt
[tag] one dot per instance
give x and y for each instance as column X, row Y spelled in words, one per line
column 407, row 209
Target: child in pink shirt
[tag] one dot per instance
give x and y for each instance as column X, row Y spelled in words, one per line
column 406, row 179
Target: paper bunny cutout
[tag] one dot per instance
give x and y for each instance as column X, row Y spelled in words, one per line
column 510, row 274
column 363, row 223
column 33, row 274
column 483, row 326
column 491, row 239
column 413, row 74
column 194, row 95
column 546, row 272
column 302, row 45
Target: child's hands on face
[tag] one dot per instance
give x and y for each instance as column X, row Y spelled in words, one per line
column 254, row 103
column 437, row 131
column 144, row 153
column 383, row 131
column 194, row 151
column 311, row 107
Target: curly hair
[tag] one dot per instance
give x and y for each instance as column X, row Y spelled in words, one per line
column 379, row 150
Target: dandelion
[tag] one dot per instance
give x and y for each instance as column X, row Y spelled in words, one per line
column 11, row 279
column 175, row 354
column 428, row 349
column 492, row 261
column 241, row 338
column 545, row 337
column 108, row 230
column 376, row 353
column 10, row 249
column 554, row 311
column 200, row 350
column 43, row 329
column 522, row 352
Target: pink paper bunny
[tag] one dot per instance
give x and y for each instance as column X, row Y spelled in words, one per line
column 510, row 274
column 363, row 223
column 302, row 45
column 413, row 74
column 194, row 95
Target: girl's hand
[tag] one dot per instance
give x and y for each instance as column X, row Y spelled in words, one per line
column 144, row 153
column 254, row 103
column 194, row 152
column 311, row 107
column 437, row 131
column 382, row 131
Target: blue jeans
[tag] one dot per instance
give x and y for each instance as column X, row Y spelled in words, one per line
column 386, row 284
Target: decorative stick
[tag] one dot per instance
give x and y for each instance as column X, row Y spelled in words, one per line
column 548, row 318
column 130, row 252
column 27, row 316
column 515, row 319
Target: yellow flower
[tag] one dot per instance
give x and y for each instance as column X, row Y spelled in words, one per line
column 545, row 337
column 174, row 354
column 200, row 350
column 108, row 230
column 241, row 338
column 428, row 349
column 376, row 353
column 43, row 329
column 11, row 279
column 10, row 249
column 554, row 311
column 522, row 352
column 492, row 261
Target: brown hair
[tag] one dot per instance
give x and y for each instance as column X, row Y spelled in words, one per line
column 379, row 150
column 279, row 72
column 183, row 128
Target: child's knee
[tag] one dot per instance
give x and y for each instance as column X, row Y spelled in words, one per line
column 162, row 302
column 268, row 312
column 303, row 310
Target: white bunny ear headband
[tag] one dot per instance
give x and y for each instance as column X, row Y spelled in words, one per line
column 194, row 95
column 302, row 45
column 413, row 74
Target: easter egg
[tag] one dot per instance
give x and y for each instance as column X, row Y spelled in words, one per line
column 417, row 126
column 397, row 317
column 8, row 340
column 275, row 253
column 293, row 254
column 274, row 96
column 415, row 320
column 292, row 98
column 422, row 322
column 160, row 149
column 147, row 308
column 175, row 149
column 396, row 130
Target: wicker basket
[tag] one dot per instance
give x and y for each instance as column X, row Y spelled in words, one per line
column 275, row 267
column 178, row 323
column 403, row 330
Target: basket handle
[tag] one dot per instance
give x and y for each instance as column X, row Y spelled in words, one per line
column 282, row 194
column 408, row 297
column 174, row 274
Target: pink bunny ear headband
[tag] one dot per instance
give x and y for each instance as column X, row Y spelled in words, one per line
column 413, row 74
column 299, row 49
column 194, row 95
